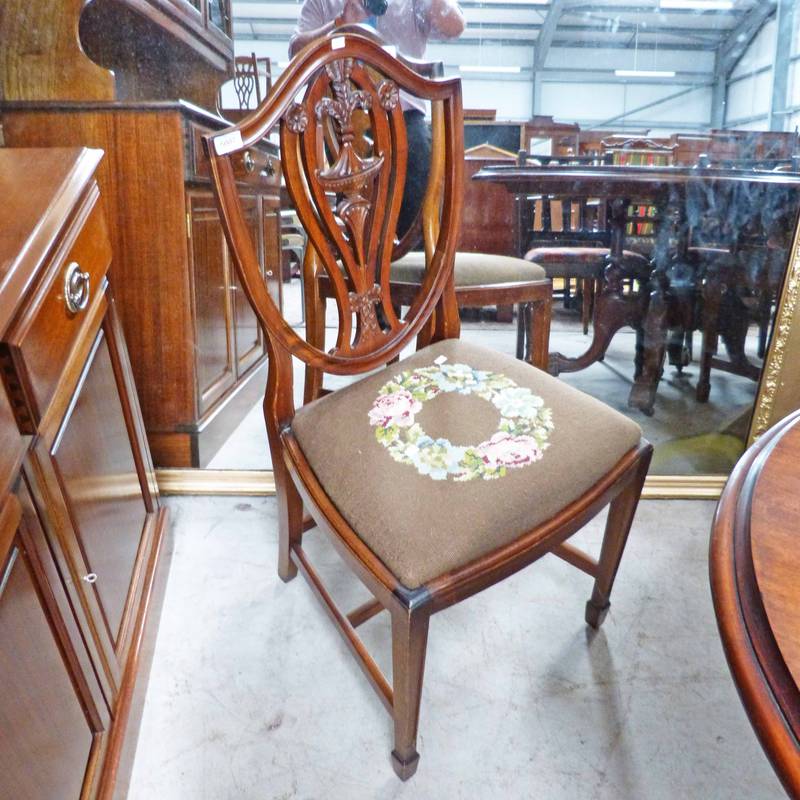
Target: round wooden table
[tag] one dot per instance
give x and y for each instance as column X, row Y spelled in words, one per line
column 755, row 583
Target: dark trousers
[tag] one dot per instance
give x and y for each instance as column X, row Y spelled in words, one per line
column 418, row 133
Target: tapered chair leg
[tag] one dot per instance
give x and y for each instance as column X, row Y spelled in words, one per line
column 290, row 524
column 618, row 526
column 409, row 642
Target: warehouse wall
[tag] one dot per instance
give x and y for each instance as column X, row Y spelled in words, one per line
column 578, row 84
column 750, row 86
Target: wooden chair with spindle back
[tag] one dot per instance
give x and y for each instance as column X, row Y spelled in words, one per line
column 383, row 466
column 248, row 74
column 569, row 239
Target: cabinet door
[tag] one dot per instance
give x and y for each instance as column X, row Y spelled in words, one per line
column 91, row 479
column 212, row 307
column 273, row 254
column 53, row 729
column 248, row 336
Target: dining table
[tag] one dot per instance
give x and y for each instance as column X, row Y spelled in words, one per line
column 684, row 197
column 754, row 567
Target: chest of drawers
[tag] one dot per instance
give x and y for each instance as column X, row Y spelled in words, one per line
column 197, row 353
column 82, row 534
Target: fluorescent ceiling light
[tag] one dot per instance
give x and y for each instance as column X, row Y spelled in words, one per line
column 644, row 73
column 478, row 68
column 698, row 5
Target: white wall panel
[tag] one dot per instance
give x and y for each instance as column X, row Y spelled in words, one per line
column 512, row 99
column 760, row 124
column 573, row 101
column 748, row 98
column 761, row 51
column 455, row 53
column 598, row 59
column 794, row 84
column 570, row 102
column 563, row 99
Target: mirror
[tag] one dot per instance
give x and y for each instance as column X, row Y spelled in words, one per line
column 700, row 95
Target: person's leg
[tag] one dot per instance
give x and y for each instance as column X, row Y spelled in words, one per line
column 418, row 133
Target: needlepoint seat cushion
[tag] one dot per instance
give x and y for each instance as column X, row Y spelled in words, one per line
column 449, row 454
column 471, row 269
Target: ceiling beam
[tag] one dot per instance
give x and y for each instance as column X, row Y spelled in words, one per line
column 541, row 49
column 596, row 9
column 739, row 39
column 782, row 65
column 548, row 30
column 534, row 27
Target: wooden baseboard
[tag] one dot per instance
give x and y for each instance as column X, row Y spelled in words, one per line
column 215, row 482
column 262, row 483
column 684, row 487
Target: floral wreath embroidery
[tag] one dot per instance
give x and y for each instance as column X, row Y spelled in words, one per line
column 521, row 437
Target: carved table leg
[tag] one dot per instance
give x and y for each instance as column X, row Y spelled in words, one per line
column 612, row 308
column 643, row 392
column 712, row 294
column 612, row 311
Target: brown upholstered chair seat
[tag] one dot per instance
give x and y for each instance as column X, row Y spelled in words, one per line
column 580, row 262
column 471, row 269
column 424, row 525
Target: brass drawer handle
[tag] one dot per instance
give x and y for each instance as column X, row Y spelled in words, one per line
column 76, row 288
column 91, row 577
column 270, row 168
column 248, row 161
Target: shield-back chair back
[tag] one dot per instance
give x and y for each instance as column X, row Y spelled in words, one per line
column 480, row 279
column 424, row 521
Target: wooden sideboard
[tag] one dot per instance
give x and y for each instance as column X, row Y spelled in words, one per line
column 83, row 538
column 115, row 49
column 487, row 224
column 197, row 353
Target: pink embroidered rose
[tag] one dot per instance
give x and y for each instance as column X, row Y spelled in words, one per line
column 505, row 450
column 397, row 408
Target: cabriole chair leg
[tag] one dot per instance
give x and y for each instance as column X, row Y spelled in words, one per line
column 618, row 526
column 409, row 642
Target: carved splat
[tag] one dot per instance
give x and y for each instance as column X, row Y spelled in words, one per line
column 363, row 305
column 351, row 175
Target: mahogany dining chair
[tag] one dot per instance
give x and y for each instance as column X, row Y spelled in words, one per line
column 383, row 466
column 481, row 279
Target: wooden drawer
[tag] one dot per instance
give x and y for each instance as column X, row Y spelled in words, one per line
column 35, row 351
column 255, row 166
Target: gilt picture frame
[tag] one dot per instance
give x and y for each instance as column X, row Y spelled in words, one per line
column 779, row 388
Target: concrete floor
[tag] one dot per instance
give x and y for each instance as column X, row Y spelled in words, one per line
column 253, row 696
